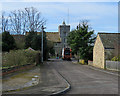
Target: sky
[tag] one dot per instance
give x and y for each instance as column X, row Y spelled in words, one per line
column 102, row 15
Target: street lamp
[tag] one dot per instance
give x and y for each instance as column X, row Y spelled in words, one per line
column 42, row 44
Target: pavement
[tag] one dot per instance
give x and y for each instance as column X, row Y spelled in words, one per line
column 42, row 80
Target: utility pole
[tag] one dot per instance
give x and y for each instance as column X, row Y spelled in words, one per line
column 42, row 44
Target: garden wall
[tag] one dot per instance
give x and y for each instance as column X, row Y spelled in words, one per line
column 113, row 65
column 16, row 69
column 90, row 62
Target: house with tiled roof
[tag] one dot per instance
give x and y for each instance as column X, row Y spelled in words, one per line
column 105, row 48
column 52, row 36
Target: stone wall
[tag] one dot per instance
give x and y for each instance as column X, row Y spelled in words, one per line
column 109, row 54
column 90, row 63
column 112, row 65
column 16, row 69
column 58, row 48
column 98, row 54
column 64, row 31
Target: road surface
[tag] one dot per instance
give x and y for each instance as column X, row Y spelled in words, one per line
column 84, row 80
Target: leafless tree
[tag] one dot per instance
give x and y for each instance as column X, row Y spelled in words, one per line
column 28, row 19
column 4, row 22
column 34, row 19
column 16, row 21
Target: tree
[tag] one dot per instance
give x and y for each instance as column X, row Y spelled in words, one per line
column 81, row 40
column 4, row 22
column 8, row 42
column 34, row 41
column 16, row 21
column 29, row 19
column 33, row 18
column 29, row 39
column 50, row 46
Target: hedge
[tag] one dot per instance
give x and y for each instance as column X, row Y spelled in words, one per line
column 18, row 57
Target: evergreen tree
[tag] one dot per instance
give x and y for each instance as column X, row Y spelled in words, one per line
column 34, row 41
column 81, row 41
column 29, row 38
column 8, row 42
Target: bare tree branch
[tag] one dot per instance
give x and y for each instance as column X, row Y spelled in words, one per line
column 4, row 22
column 28, row 19
column 34, row 19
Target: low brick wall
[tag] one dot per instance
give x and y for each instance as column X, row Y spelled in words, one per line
column 15, row 69
column 90, row 62
column 113, row 65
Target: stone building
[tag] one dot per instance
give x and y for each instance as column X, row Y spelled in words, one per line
column 105, row 48
column 63, row 32
column 58, row 38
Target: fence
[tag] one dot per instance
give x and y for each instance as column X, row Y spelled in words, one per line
column 113, row 65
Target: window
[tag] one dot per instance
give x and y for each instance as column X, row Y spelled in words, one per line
column 67, row 52
column 64, row 34
column 64, row 39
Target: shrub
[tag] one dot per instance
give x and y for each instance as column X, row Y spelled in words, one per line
column 31, row 56
column 116, row 58
column 19, row 57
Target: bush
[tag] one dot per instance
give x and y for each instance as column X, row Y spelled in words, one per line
column 31, row 56
column 19, row 57
column 117, row 58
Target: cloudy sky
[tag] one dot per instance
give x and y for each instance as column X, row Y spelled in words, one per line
column 102, row 16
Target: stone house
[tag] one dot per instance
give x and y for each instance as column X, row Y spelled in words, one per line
column 105, row 48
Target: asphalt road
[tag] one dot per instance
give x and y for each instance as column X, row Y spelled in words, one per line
column 84, row 80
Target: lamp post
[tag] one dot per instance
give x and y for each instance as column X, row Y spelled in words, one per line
column 42, row 44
